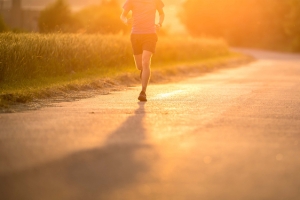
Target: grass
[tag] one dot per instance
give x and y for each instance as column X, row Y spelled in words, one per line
column 32, row 64
column 32, row 56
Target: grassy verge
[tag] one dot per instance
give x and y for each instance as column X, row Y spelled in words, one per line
column 42, row 66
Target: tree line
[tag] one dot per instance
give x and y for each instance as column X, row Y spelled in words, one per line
column 58, row 17
column 101, row 18
column 272, row 24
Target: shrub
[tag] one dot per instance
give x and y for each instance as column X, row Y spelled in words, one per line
column 3, row 26
column 102, row 18
column 272, row 24
column 56, row 17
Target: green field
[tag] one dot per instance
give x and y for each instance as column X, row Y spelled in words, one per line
column 30, row 62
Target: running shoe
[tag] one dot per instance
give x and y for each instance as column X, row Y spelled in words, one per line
column 142, row 96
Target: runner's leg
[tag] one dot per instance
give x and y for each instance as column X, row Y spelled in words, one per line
column 138, row 61
column 146, row 64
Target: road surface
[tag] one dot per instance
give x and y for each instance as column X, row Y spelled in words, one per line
column 229, row 135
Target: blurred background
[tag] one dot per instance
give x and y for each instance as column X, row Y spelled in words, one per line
column 267, row 24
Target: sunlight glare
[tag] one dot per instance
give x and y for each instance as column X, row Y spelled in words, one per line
column 166, row 95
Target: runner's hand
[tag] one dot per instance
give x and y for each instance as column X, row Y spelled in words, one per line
column 129, row 21
column 157, row 27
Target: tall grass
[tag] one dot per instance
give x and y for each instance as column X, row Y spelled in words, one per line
column 31, row 56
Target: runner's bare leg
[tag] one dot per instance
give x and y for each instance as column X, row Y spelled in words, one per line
column 138, row 61
column 146, row 64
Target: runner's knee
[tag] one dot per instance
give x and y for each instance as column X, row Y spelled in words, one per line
column 138, row 62
column 146, row 64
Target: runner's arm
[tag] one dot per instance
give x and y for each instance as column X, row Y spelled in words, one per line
column 161, row 16
column 124, row 18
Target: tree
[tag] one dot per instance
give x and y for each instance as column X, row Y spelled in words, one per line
column 292, row 25
column 56, row 17
column 252, row 23
column 3, row 26
column 103, row 18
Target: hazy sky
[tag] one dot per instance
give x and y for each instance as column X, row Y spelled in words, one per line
column 171, row 9
column 79, row 3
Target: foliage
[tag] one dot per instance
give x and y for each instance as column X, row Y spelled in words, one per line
column 292, row 25
column 102, row 18
column 258, row 23
column 56, row 17
column 3, row 26
column 31, row 56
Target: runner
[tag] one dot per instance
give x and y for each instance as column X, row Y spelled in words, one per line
column 143, row 34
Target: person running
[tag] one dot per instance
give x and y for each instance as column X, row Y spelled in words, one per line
column 143, row 34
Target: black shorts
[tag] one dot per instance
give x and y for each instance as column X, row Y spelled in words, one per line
column 141, row 42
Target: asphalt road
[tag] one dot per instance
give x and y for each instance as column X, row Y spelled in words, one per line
column 229, row 135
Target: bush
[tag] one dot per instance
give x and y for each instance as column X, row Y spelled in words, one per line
column 253, row 23
column 102, row 18
column 56, row 17
column 3, row 26
column 292, row 26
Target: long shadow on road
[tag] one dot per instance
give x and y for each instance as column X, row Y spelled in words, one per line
column 92, row 174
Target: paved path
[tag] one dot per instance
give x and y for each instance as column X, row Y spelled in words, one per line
column 229, row 135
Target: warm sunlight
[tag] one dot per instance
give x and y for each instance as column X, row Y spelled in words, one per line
column 172, row 22
column 149, row 99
